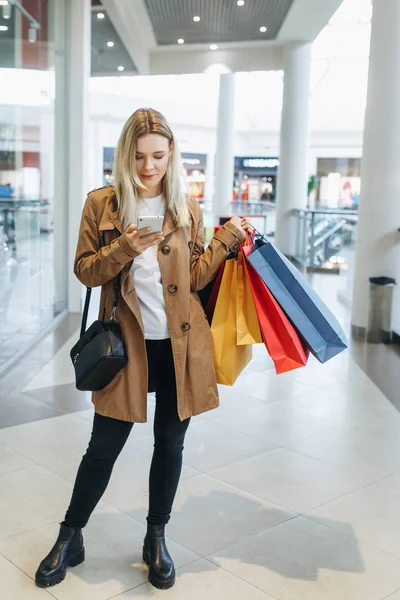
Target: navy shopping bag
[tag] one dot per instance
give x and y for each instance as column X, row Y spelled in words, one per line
column 311, row 317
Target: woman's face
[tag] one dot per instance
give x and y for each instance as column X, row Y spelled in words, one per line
column 152, row 155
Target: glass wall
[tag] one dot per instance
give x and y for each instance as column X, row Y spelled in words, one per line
column 28, row 301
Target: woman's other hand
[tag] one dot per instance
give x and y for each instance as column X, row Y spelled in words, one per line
column 242, row 223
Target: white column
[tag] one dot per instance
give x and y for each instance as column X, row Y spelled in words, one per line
column 378, row 240
column 293, row 167
column 224, row 162
column 78, row 127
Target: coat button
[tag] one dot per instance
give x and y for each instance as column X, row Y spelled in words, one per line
column 172, row 289
column 186, row 326
column 165, row 249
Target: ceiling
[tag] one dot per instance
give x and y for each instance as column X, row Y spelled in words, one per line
column 220, row 20
column 105, row 60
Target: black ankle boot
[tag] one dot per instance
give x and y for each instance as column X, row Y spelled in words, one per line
column 68, row 551
column 156, row 556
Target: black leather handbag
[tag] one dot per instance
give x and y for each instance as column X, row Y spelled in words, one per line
column 100, row 352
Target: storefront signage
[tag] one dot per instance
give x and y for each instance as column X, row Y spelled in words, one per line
column 256, row 162
column 190, row 159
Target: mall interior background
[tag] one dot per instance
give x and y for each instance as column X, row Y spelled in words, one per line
column 33, row 203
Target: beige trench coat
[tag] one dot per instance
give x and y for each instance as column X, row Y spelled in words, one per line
column 103, row 252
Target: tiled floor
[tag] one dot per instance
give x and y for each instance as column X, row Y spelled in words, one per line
column 290, row 490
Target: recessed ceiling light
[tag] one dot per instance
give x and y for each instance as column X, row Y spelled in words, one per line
column 213, row 47
column 3, row 28
column 121, row 68
column 181, row 41
column 263, row 29
column 240, row 2
column 110, row 44
column 196, row 19
column 3, row 2
column 6, row 11
column 32, row 35
column 100, row 15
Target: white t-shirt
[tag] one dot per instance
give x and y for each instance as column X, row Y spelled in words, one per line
column 147, row 279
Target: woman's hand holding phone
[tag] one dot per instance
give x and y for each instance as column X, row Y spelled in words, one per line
column 140, row 239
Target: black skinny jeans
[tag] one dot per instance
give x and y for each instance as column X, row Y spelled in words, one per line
column 109, row 437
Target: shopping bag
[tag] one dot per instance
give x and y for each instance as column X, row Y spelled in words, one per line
column 313, row 320
column 208, row 295
column 280, row 337
column 247, row 326
column 229, row 358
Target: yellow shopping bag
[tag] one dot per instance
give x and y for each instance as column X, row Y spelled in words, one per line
column 247, row 326
column 229, row 358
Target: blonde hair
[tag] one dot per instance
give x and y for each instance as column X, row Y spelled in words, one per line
column 127, row 184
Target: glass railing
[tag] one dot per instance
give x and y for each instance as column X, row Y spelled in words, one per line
column 325, row 238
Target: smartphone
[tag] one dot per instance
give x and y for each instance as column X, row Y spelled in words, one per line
column 155, row 224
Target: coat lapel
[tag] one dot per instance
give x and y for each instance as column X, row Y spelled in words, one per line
column 169, row 225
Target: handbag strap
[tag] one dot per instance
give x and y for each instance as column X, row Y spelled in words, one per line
column 85, row 311
column 117, row 290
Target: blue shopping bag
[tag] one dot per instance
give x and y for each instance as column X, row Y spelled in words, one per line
column 312, row 319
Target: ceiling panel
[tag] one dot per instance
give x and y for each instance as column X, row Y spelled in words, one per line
column 105, row 60
column 220, row 20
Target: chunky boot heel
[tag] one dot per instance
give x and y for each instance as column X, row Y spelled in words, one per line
column 68, row 551
column 77, row 559
column 158, row 559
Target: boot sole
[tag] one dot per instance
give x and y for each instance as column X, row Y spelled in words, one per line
column 73, row 561
column 160, row 585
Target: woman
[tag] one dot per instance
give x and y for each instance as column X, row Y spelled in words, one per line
column 166, row 334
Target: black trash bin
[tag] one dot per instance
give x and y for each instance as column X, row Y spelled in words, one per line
column 380, row 310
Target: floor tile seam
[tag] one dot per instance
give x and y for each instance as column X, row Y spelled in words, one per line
column 250, row 536
column 229, row 464
column 240, row 578
column 56, row 323
column 345, row 495
column 44, row 404
column 50, row 404
column 329, row 464
column 224, row 465
column 296, row 411
column 255, row 496
column 198, row 556
column 391, row 595
column 289, row 449
column 21, row 454
column 15, row 535
column 135, row 587
column 19, row 568
column 352, row 537
column 299, row 513
column 36, row 464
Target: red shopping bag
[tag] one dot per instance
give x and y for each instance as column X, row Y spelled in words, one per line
column 280, row 338
column 212, row 301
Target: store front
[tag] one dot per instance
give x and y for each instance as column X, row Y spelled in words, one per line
column 339, row 182
column 195, row 169
column 108, row 164
column 255, row 178
column 33, row 282
column 195, row 166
